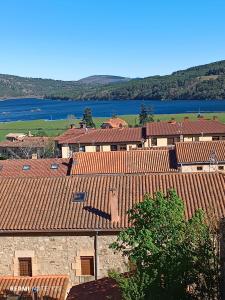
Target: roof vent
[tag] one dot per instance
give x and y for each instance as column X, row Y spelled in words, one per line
column 54, row 166
column 79, row 197
column 26, row 167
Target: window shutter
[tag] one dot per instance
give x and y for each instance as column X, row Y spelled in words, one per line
column 25, row 266
column 87, row 265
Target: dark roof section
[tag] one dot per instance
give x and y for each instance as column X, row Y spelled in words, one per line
column 200, row 151
column 126, row 162
column 185, row 127
column 101, row 289
column 49, row 167
column 45, row 204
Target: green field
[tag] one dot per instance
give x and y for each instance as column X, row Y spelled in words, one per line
column 54, row 128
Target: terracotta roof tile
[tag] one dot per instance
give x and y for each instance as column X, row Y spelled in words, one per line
column 101, row 289
column 37, row 167
column 185, row 127
column 50, row 287
column 141, row 161
column 200, row 151
column 28, row 142
column 45, row 204
column 115, row 123
column 116, row 135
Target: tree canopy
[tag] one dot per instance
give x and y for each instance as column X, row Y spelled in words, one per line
column 174, row 258
column 87, row 118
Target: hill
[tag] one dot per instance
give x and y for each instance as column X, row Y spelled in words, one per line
column 103, row 79
column 200, row 82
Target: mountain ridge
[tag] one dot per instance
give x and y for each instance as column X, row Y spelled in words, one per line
column 199, row 82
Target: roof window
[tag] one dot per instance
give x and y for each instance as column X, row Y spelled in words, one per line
column 79, row 197
column 54, row 166
column 26, row 167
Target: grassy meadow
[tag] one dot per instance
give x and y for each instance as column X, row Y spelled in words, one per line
column 54, row 128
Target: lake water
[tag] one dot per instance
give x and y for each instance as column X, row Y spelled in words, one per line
column 31, row 109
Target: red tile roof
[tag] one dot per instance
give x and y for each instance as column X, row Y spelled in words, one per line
column 50, row 167
column 142, row 161
column 185, row 127
column 49, row 287
column 71, row 133
column 187, row 152
column 33, row 142
column 45, row 204
column 101, row 289
column 94, row 136
column 115, row 123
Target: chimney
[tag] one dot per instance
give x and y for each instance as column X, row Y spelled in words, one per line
column 29, row 133
column 215, row 118
column 186, row 118
column 114, row 205
column 34, row 156
column 72, row 126
column 82, row 125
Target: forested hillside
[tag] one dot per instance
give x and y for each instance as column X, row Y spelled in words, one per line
column 201, row 82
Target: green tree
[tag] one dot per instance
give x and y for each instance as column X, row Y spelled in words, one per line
column 146, row 114
column 172, row 255
column 87, row 118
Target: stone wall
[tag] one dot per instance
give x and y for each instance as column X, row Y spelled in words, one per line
column 53, row 255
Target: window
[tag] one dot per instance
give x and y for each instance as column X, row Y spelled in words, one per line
column 79, row 197
column 197, row 139
column 140, row 146
column 215, row 138
column 123, row 147
column 54, row 166
column 170, row 141
column 176, row 139
column 154, row 142
column 113, row 147
column 221, row 168
column 25, row 266
column 199, row 168
column 87, row 265
column 82, row 149
column 26, row 167
column 98, row 148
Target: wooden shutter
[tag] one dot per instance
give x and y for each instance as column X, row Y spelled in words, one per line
column 87, row 265
column 25, row 265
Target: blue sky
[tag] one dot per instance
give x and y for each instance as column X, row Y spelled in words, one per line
column 71, row 39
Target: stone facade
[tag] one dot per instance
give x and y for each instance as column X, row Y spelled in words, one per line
column 59, row 255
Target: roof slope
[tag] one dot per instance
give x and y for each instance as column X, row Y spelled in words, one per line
column 49, row 287
column 45, row 204
column 137, row 161
column 116, row 123
column 33, row 142
column 37, row 167
column 200, row 151
column 186, row 127
column 93, row 136
column 101, row 289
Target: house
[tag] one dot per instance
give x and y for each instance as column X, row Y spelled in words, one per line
column 124, row 162
column 15, row 136
column 168, row 133
column 201, row 156
column 50, row 167
column 35, row 287
column 27, row 147
column 114, row 123
column 97, row 140
column 64, row 225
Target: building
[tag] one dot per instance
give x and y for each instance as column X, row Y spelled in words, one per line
column 12, row 137
column 201, row 156
column 114, row 123
column 124, row 162
column 97, row 140
column 64, row 225
column 50, row 167
column 160, row 134
column 27, row 147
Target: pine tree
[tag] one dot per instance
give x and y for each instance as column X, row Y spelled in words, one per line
column 146, row 115
column 87, row 118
